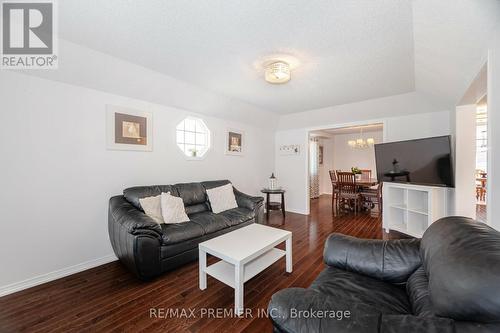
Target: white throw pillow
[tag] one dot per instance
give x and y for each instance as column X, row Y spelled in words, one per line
column 222, row 198
column 152, row 208
column 172, row 209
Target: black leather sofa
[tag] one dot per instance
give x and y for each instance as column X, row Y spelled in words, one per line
column 449, row 281
column 148, row 249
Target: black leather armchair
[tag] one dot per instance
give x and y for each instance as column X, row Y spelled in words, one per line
column 447, row 282
column 148, row 249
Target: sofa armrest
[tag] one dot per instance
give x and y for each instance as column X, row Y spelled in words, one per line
column 253, row 203
column 130, row 218
column 387, row 260
column 247, row 201
column 135, row 238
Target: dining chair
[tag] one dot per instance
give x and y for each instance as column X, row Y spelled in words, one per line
column 348, row 190
column 335, row 190
column 372, row 197
column 366, row 174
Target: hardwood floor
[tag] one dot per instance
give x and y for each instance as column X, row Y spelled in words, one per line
column 108, row 298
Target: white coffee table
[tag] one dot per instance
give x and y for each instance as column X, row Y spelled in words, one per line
column 245, row 253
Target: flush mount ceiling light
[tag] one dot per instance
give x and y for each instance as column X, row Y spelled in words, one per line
column 277, row 72
column 276, row 68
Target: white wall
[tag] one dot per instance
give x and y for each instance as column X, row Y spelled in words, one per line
column 494, row 131
column 380, row 108
column 344, row 157
column 465, row 161
column 292, row 171
column 428, row 120
column 57, row 175
column 420, row 125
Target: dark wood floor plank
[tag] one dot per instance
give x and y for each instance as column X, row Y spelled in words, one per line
column 109, row 299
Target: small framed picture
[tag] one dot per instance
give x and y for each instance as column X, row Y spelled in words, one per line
column 128, row 129
column 320, row 155
column 235, row 140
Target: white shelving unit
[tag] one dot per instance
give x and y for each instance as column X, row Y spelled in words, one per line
column 411, row 209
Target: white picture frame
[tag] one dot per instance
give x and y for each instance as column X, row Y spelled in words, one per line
column 140, row 129
column 234, row 142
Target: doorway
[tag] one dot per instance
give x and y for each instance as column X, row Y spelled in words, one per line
column 481, row 159
column 344, row 148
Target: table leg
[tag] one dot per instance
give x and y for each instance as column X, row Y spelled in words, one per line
column 203, row 266
column 267, row 205
column 239, row 273
column 288, row 255
column 283, row 203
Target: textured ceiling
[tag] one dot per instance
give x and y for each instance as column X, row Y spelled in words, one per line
column 348, row 50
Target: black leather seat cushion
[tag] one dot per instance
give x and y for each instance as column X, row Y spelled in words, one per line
column 178, row 232
column 354, row 288
column 238, row 215
column 204, row 223
column 209, row 221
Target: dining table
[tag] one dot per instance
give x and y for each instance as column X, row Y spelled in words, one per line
column 367, row 182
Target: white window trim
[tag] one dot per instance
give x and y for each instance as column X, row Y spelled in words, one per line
column 209, row 140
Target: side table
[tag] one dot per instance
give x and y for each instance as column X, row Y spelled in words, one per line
column 271, row 205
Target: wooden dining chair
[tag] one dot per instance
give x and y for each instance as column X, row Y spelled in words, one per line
column 335, row 190
column 373, row 197
column 366, row 174
column 348, row 191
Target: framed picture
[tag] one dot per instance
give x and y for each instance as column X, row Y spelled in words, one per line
column 289, row 150
column 320, row 157
column 234, row 142
column 128, row 129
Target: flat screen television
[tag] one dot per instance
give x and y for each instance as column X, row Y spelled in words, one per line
column 425, row 161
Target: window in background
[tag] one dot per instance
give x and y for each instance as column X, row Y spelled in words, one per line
column 193, row 137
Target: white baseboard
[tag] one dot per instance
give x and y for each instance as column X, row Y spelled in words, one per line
column 37, row 280
column 296, row 211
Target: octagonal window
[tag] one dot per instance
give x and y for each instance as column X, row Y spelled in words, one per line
column 193, row 137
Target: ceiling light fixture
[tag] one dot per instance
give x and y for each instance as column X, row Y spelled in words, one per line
column 277, row 72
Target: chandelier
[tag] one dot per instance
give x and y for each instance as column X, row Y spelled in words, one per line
column 361, row 143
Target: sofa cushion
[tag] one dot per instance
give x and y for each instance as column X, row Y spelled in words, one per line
column 170, row 250
column 198, row 208
column 172, row 209
column 209, row 221
column 417, row 288
column 152, row 208
column 133, row 194
column 222, row 198
column 178, row 232
column 191, row 193
column 462, row 261
column 353, row 288
column 238, row 215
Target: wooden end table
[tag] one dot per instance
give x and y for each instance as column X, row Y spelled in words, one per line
column 270, row 205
